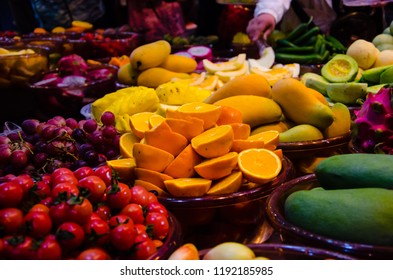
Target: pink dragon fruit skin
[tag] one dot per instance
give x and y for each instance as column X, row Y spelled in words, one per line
column 373, row 125
column 72, row 65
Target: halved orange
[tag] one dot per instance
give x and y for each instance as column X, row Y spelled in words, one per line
column 151, row 187
column 150, row 157
column 227, row 185
column 209, row 113
column 229, row 115
column 240, row 130
column 188, row 187
column 155, row 120
column 189, row 127
column 218, row 167
column 270, row 137
column 214, row 142
column 279, row 153
column 162, row 137
column 151, row 176
column 140, row 122
column 124, row 167
column 259, row 166
column 183, row 165
column 244, row 144
column 126, row 144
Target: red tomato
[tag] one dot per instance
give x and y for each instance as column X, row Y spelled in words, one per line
column 144, row 248
column 61, row 171
column 94, row 187
column 39, row 208
column 97, row 231
column 47, row 201
column 140, row 228
column 118, row 195
column 2, row 248
column 11, row 221
column 94, row 254
column 105, row 173
column 70, row 236
column 104, row 212
column 120, row 219
column 64, row 191
column 160, row 224
column 37, row 224
column 11, row 194
column 157, row 207
column 135, row 212
column 47, row 179
column 151, row 197
column 25, row 181
column 58, row 213
column 139, row 195
column 123, row 236
column 40, row 190
column 49, row 249
column 65, row 178
column 79, row 210
column 19, row 247
column 83, row 172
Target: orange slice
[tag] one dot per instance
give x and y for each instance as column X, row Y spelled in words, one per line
column 150, row 157
column 155, row 120
column 188, row 187
column 140, row 122
column 188, row 127
column 279, row 153
column 183, row 165
column 209, row 83
column 164, row 138
column 270, row 137
column 154, row 177
column 124, row 167
column 126, row 144
column 151, row 187
column 230, row 115
column 227, row 185
column 218, row 167
column 240, row 130
column 214, row 142
column 259, row 166
column 244, row 144
column 209, row 113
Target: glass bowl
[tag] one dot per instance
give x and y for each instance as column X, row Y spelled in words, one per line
column 276, row 251
column 96, row 46
column 68, row 101
column 303, row 149
column 293, row 234
column 210, row 220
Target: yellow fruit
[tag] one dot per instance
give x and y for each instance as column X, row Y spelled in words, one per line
column 150, row 157
column 279, row 126
column 240, row 130
column 342, row 121
column 124, row 167
column 229, row 115
column 58, row 29
column 259, row 166
column 209, row 83
column 231, row 65
column 214, row 142
column 244, row 144
column 39, row 30
column 82, row 24
column 218, row 167
column 301, row 132
column 126, row 144
column 229, row 251
column 256, row 110
column 179, row 63
column 155, row 120
column 151, row 187
column 156, row 76
column 140, row 123
column 384, row 58
column 123, row 124
column 186, row 251
column 188, row 127
column 188, row 187
column 207, row 112
column 272, row 75
column 153, row 177
column 226, row 76
column 227, row 185
column 364, row 52
column 271, row 138
column 150, row 55
column 183, row 165
column 127, row 75
column 178, row 93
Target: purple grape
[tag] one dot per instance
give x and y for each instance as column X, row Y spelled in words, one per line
column 5, row 153
column 109, row 132
column 111, row 153
column 40, row 146
column 57, row 121
column 4, row 140
column 55, row 148
column 79, row 135
column 16, row 136
column 82, row 149
column 48, row 132
column 96, row 138
column 108, row 118
column 90, row 126
column 72, row 123
column 91, row 158
column 53, row 165
column 40, row 160
column 30, row 126
column 18, row 159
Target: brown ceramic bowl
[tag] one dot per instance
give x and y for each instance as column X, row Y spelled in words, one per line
column 293, row 234
column 302, row 149
column 274, row 251
column 239, row 216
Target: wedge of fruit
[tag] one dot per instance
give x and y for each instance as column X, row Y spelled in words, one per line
column 188, row 187
column 214, row 142
column 150, row 157
column 126, row 143
column 218, row 167
column 229, row 184
column 124, row 167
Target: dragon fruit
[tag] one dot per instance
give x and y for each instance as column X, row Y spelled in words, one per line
column 373, row 125
column 72, row 65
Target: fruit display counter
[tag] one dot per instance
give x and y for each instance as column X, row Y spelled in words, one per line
column 153, row 150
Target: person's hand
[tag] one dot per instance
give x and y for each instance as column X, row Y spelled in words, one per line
column 261, row 26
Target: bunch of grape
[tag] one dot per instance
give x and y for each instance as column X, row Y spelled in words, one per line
column 42, row 147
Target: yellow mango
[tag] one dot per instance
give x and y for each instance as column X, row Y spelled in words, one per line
column 150, row 55
column 156, row 76
column 301, row 106
column 256, row 110
column 301, row 132
column 251, row 84
column 179, row 63
column 342, row 121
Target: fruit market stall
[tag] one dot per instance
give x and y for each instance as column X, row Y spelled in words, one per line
column 152, row 151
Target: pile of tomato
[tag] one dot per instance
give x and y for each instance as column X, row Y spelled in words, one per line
column 81, row 214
